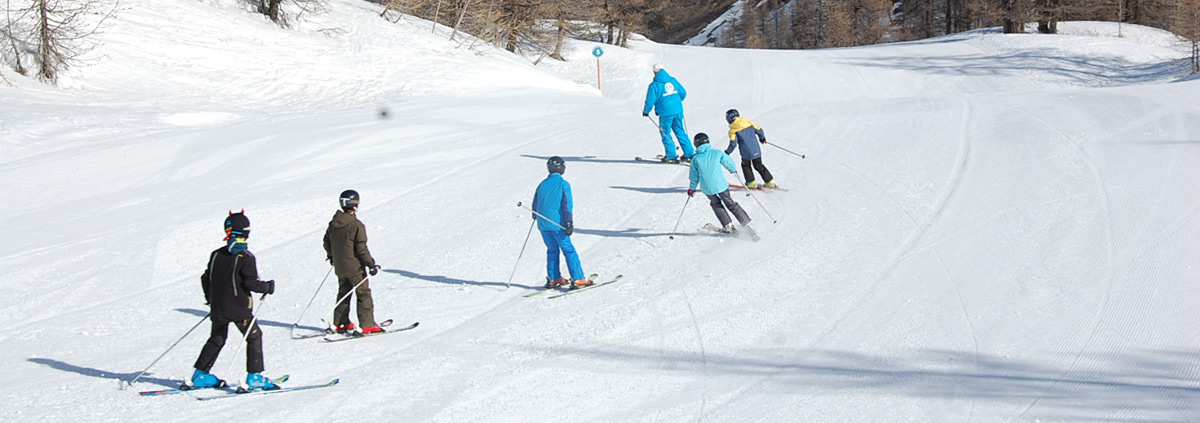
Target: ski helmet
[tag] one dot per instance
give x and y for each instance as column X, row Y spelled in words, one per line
column 349, row 199
column 556, row 165
column 237, row 225
column 657, row 67
column 700, row 139
column 730, row 115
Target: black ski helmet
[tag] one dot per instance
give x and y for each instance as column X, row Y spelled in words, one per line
column 349, row 199
column 730, row 115
column 700, row 139
column 237, row 225
column 556, row 165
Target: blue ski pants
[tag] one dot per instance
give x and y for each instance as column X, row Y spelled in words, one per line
column 556, row 241
column 674, row 123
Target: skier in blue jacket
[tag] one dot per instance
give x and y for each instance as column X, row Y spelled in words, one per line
column 706, row 173
column 552, row 206
column 745, row 136
column 665, row 95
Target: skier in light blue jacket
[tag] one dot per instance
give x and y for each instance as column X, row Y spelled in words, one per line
column 706, row 173
column 665, row 95
column 553, row 210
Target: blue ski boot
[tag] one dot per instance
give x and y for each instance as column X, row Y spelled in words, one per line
column 203, row 379
column 257, row 381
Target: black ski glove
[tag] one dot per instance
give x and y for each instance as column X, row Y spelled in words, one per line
column 374, row 269
column 645, row 115
column 570, row 228
column 270, row 287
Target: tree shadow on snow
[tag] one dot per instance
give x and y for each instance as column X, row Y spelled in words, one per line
column 1153, row 384
column 454, row 281
column 261, row 322
column 104, row 374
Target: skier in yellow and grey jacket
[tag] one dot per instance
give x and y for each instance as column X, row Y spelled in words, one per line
column 746, row 136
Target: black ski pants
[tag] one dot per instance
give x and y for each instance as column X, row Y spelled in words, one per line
column 722, row 201
column 365, row 304
column 216, row 340
column 757, row 164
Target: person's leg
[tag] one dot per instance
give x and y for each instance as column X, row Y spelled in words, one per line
column 762, row 170
column 568, row 250
column 722, row 216
column 664, row 131
column 734, row 207
column 681, row 133
column 366, row 305
column 254, row 346
column 552, row 270
column 341, row 311
column 746, row 171
column 212, row 348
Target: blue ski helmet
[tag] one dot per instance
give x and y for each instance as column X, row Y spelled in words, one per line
column 730, row 115
column 556, row 165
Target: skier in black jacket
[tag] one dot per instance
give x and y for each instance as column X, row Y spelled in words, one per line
column 231, row 276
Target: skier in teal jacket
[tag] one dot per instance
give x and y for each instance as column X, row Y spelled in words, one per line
column 706, row 174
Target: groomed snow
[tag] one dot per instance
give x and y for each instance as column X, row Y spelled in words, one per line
column 986, row 227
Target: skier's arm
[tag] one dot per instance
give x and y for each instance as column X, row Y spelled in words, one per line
column 328, row 250
column 693, row 176
column 248, row 270
column 568, row 203
column 206, row 278
column 679, row 89
column 651, row 97
column 360, row 246
column 762, row 136
column 728, row 163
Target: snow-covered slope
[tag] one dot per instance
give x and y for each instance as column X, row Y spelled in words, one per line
column 985, row 228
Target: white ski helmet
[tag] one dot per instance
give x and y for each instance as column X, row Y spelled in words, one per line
column 657, row 67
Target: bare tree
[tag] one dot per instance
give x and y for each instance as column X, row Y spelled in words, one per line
column 55, row 33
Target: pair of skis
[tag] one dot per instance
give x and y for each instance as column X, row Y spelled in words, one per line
column 330, row 336
column 659, row 159
column 740, row 233
column 593, row 277
column 238, row 392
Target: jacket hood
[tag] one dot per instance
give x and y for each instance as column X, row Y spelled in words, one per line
column 662, row 76
column 703, row 147
column 739, row 123
column 342, row 219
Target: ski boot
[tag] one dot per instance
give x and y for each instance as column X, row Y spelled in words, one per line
column 372, row 329
column 203, row 379
column 752, row 185
column 670, row 160
column 346, row 328
column 770, row 184
column 551, row 284
column 580, row 283
column 729, row 228
column 685, row 159
column 257, row 381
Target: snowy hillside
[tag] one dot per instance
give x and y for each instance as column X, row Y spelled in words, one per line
column 985, row 227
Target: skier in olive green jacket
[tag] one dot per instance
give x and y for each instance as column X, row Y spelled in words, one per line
column 346, row 248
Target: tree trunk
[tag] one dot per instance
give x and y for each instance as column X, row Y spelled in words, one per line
column 560, row 37
column 45, row 42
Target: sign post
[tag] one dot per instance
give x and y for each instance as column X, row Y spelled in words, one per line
column 598, row 52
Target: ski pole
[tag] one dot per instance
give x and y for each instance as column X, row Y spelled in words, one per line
column 189, row 332
column 676, row 229
column 540, row 215
column 656, row 125
column 292, row 332
column 329, row 323
column 760, row 204
column 514, row 272
column 784, row 149
column 249, row 328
